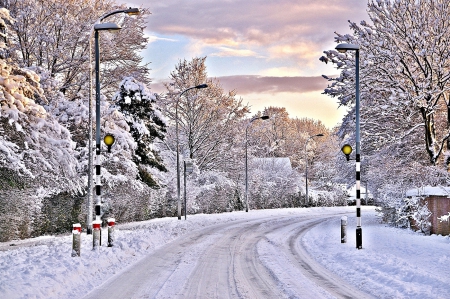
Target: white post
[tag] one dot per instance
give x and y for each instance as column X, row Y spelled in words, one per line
column 344, row 229
column 96, row 234
column 111, row 225
column 76, row 239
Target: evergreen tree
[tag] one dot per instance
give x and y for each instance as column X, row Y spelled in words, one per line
column 146, row 123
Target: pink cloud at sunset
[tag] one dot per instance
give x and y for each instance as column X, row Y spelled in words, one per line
column 263, row 84
column 260, row 48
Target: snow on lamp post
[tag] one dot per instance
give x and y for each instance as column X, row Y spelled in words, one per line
column 177, row 140
column 129, row 11
column 264, row 117
column 306, row 161
column 344, row 48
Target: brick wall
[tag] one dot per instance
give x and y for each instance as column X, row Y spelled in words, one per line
column 439, row 206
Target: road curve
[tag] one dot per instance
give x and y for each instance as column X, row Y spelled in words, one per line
column 257, row 258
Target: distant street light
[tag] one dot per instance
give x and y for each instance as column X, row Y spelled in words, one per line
column 264, row 117
column 306, row 161
column 178, row 150
column 98, row 26
column 344, row 48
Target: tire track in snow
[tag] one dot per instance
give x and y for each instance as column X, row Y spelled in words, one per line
column 257, row 258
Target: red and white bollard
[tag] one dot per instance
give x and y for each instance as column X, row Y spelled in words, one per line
column 96, row 233
column 111, row 224
column 76, row 240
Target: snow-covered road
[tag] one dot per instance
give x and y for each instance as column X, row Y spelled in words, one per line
column 258, row 258
column 278, row 253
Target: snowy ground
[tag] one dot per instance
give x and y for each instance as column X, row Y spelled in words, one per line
column 392, row 264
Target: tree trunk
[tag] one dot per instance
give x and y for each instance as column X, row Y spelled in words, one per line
column 447, row 160
column 430, row 134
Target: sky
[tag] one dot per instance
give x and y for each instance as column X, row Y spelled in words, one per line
column 267, row 51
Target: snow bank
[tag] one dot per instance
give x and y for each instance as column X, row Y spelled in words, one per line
column 393, row 263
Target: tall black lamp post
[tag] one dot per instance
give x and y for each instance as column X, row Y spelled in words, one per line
column 344, row 48
column 264, row 117
column 96, row 28
column 178, row 150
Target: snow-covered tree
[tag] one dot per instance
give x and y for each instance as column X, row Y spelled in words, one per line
column 36, row 151
column 404, row 76
column 207, row 117
column 54, row 35
column 405, row 72
column 273, row 184
column 146, row 123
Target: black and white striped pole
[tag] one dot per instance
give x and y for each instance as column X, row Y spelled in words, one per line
column 98, row 185
column 344, row 48
column 97, row 27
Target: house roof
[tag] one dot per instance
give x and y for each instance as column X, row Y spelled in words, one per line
column 429, row 190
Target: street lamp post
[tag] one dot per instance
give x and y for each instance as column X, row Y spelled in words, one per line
column 344, row 48
column 178, row 151
column 129, row 11
column 264, row 117
column 306, row 161
column 97, row 28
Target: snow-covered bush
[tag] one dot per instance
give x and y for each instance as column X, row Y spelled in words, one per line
column 407, row 212
column 212, row 192
column 273, row 184
column 329, row 198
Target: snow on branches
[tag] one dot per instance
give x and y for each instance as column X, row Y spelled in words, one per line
column 33, row 142
column 146, row 123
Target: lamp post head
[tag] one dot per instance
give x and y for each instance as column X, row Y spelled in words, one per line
column 107, row 26
column 132, row 11
column 347, row 150
column 320, row 135
column 264, row 117
column 109, row 140
column 342, row 48
column 201, row 86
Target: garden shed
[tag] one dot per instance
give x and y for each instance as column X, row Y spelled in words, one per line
column 438, row 201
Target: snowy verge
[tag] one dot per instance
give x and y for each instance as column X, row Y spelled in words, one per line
column 394, row 263
column 43, row 267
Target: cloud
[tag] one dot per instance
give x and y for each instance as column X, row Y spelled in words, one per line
column 267, row 84
column 253, row 21
column 301, row 96
column 230, row 52
column 244, row 84
column 288, row 30
column 153, row 38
